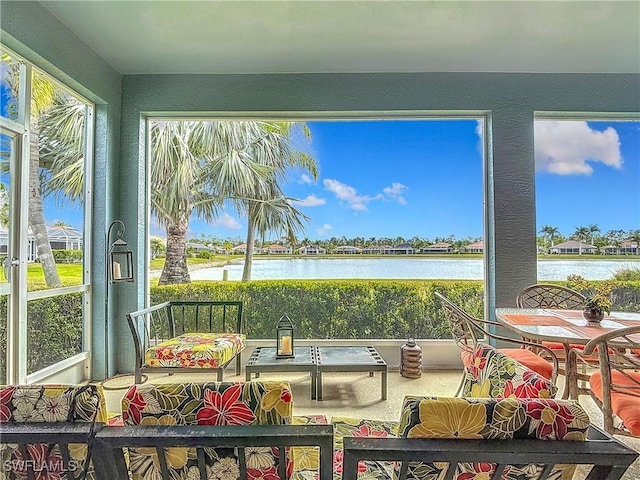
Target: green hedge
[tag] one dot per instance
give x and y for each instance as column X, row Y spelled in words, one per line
column 337, row 308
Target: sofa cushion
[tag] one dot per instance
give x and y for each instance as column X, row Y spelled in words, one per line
column 478, row 418
column 196, row 350
column 355, row 427
column 624, row 403
column 53, row 404
column 215, row 403
column 492, row 374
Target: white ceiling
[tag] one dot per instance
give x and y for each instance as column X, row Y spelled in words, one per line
column 138, row 37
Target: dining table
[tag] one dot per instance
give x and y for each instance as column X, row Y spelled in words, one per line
column 568, row 327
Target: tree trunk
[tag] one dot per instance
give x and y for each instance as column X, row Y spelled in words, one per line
column 251, row 240
column 36, row 214
column 175, row 268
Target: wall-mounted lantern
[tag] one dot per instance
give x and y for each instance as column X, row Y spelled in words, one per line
column 119, row 257
column 284, row 338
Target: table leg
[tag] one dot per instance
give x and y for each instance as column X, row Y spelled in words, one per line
column 319, row 387
column 247, row 375
column 314, row 385
column 384, row 385
column 568, row 372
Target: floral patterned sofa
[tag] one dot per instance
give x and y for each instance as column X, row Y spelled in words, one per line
column 167, row 434
column 473, row 438
column 31, row 416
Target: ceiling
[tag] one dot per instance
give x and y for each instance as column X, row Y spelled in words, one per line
column 141, row 37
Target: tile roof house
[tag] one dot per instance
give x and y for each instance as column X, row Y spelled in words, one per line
column 475, row 247
column 439, row 247
column 573, row 247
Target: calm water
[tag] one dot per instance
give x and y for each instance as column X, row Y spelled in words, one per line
column 455, row 269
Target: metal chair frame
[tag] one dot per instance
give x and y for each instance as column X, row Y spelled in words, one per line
column 468, row 332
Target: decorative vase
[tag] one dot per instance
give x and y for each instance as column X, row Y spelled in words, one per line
column 593, row 314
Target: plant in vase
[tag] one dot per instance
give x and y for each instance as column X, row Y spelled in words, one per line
column 597, row 301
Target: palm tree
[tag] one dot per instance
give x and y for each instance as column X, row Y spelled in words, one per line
column 581, row 233
column 634, row 236
column 247, row 165
column 593, row 228
column 196, row 166
column 56, row 157
column 179, row 187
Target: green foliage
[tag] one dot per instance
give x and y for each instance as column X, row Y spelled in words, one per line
column 627, row 274
column 337, row 308
column 204, row 254
column 68, row 256
column 598, row 294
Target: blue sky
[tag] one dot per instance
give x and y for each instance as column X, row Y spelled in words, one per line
column 424, row 178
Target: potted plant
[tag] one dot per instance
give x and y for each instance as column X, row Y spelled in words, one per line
column 597, row 301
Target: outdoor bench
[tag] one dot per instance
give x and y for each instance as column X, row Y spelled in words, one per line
column 479, row 437
column 200, row 336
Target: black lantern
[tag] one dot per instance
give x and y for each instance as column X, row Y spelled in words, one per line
column 120, row 257
column 284, row 338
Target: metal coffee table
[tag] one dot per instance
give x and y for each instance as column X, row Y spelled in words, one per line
column 263, row 359
column 350, row 359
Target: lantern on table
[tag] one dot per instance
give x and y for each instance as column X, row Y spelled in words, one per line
column 284, row 337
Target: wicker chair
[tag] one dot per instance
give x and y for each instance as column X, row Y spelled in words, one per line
column 615, row 385
column 469, row 333
column 546, row 295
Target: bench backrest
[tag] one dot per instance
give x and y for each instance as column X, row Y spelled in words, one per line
column 471, row 437
column 164, row 321
column 32, row 415
column 161, row 446
column 492, row 374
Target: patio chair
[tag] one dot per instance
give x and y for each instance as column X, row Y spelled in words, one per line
column 469, row 333
column 547, row 295
column 46, row 431
column 615, row 385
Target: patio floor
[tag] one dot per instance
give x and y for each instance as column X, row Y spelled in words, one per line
column 359, row 395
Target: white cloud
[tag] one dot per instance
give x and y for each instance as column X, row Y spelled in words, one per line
column 347, row 194
column 227, row 221
column 396, row 191
column 324, row 229
column 310, row 201
column 568, row 147
column 304, row 178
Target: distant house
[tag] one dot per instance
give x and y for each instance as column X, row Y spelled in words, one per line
column 199, row 247
column 312, row 250
column 475, row 247
column 60, row 238
column 375, row 250
column 347, row 250
column 242, row 249
column 277, row 250
column 627, row 248
column 573, row 247
column 401, row 249
column 439, row 247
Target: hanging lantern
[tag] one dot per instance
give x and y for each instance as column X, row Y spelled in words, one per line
column 411, row 359
column 284, row 338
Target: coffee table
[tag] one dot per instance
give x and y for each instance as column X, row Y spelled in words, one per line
column 263, row 359
column 350, row 359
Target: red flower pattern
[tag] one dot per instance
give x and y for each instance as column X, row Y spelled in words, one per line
column 553, row 419
column 478, row 363
column 6, row 395
column 270, row 473
column 532, row 385
column 136, row 404
column 45, row 465
column 225, row 408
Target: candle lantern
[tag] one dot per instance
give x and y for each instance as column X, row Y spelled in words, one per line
column 284, row 337
column 119, row 257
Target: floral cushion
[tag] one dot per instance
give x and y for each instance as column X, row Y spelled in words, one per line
column 215, row 403
column 196, row 350
column 478, row 418
column 306, row 460
column 355, row 427
column 49, row 403
column 491, row 374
